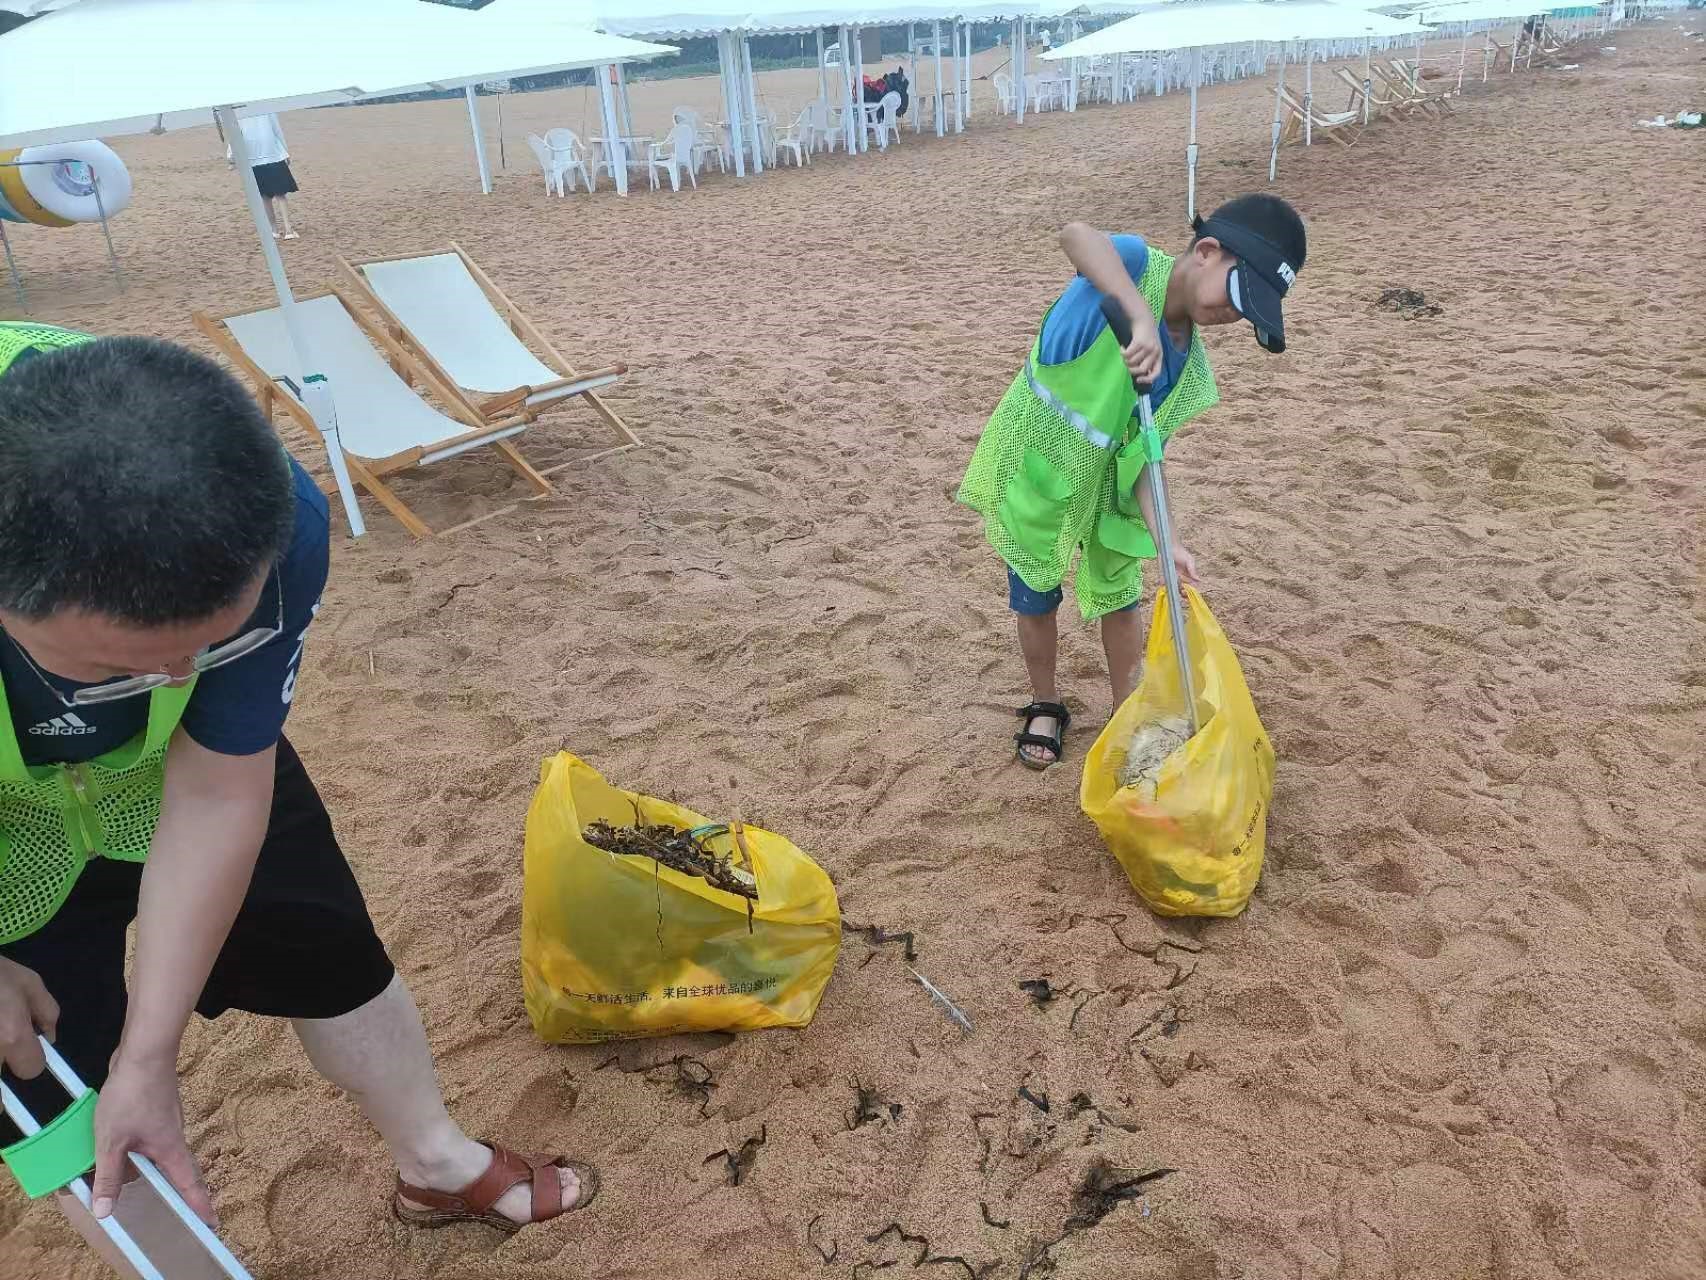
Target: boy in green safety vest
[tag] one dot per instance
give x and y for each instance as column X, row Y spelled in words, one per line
column 1058, row 472
column 161, row 559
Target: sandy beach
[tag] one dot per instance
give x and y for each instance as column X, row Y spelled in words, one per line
column 1460, row 1032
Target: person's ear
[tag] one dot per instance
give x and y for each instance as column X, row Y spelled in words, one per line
column 1207, row 250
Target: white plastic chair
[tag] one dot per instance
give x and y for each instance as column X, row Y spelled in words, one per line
column 826, row 132
column 1004, row 92
column 887, row 119
column 797, row 138
column 569, row 153
column 705, row 142
column 673, row 156
column 548, row 163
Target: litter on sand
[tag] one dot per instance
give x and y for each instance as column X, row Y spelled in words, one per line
column 1150, row 746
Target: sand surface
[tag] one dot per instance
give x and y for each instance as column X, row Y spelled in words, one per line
column 1460, row 1031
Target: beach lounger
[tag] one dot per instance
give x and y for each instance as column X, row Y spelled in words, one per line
column 1343, row 127
column 463, row 331
column 1408, row 76
column 1380, row 104
column 1397, row 82
column 384, row 425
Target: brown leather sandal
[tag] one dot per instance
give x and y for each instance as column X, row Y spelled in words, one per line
column 474, row 1203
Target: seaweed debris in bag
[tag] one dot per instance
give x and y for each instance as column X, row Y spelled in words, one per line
column 676, row 848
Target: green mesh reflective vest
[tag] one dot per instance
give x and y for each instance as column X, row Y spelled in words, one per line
column 1058, row 464
column 55, row 817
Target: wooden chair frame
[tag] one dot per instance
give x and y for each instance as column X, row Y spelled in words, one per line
column 371, row 473
column 1295, row 114
column 507, row 403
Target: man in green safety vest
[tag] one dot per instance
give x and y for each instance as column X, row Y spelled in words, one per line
column 1058, row 471
column 161, row 559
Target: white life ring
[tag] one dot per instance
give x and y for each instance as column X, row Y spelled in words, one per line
column 61, row 193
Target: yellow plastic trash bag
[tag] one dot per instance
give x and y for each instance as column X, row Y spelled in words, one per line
column 614, row 947
column 1191, row 836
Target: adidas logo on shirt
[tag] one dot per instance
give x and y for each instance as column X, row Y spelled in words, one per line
column 63, row 726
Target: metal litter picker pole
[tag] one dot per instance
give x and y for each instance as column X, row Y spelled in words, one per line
column 151, row 1234
column 1153, row 467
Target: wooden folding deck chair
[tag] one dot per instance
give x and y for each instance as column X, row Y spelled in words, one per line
column 1379, row 104
column 1406, row 77
column 462, row 330
column 384, row 425
column 1343, row 127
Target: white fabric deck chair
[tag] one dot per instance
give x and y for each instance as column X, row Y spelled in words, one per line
column 383, row 424
column 1343, row 127
column 464, row 332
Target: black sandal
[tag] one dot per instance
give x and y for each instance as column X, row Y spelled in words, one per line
column 1055, row 743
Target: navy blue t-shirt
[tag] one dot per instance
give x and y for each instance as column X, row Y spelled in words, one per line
column 1076, row 321
column 237, row 709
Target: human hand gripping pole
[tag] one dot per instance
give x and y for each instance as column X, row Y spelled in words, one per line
column 1120, row 323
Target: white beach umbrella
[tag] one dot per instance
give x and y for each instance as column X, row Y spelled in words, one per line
column 145, row 66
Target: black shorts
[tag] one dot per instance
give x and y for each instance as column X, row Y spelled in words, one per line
column 275, row 179
column 302, row 945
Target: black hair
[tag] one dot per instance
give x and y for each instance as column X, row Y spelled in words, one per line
column 138, row 481
column 1268, row 216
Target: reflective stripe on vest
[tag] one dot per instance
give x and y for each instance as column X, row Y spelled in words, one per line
column 1077, row 421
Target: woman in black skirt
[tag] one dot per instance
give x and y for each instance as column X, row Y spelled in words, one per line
column 264, row 141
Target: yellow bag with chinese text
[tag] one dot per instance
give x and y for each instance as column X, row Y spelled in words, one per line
column 615, row 946
column 1191, row 841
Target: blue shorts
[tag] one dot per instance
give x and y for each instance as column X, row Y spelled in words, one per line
column 1027, row 603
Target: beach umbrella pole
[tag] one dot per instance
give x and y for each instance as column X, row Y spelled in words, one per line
column 1019, row 71
column 1367, row 76
column 316, row 392
column 622, row 103
column 941, row 99
column 1153, row 468
column 1191, row 147
column 1308, row 94
column 1279, row 105
column 479, row 142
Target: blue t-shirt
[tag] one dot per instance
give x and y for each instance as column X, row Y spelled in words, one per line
column 1077, row 321
column 237, row 709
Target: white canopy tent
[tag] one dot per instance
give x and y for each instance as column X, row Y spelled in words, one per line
column 1481, row 15
column 734, row 25
column 146, row 66
column 1195, row 25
